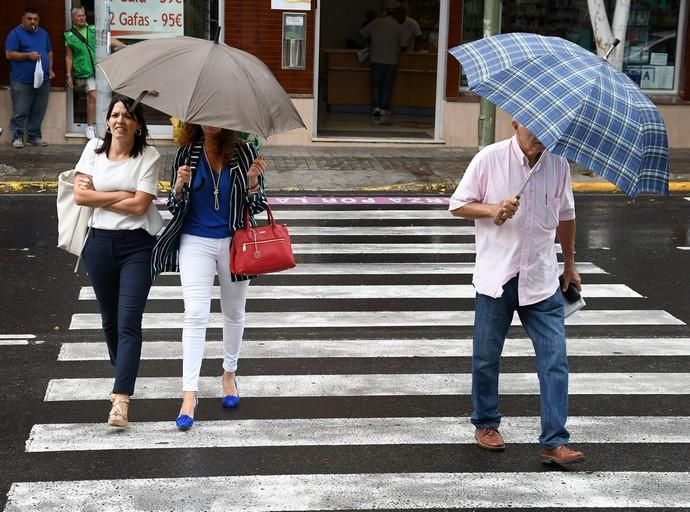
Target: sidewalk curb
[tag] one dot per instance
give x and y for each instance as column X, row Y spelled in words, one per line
column 675, row 187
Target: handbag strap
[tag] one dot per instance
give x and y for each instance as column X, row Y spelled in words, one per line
column 271, row 220
column 86, row 43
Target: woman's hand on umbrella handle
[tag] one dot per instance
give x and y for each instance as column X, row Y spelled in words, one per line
column 505, row 210
column 257, row 168
column 184, row 174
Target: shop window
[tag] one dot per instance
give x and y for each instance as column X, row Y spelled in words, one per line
column 196, row 18
column 652, row 42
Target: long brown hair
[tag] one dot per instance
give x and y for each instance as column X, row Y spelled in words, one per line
column 227, row 139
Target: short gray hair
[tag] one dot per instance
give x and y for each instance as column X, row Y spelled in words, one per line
column 78, row 8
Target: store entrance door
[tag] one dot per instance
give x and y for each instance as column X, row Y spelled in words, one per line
column 343, row 85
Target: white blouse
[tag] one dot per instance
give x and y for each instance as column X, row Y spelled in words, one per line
column 135, row 173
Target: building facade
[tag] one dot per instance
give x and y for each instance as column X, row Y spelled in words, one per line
column 313, row 48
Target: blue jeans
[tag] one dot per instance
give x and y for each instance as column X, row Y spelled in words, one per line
column 382, row 81
column 545, row 325
column 29, row 106
column 119, row 266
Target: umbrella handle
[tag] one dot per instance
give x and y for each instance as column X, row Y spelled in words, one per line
column 500, row 221
column 188, row 163
column 615, row 43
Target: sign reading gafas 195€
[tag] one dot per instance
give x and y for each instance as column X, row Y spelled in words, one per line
column 146, row 19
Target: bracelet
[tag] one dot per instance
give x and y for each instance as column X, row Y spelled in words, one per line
column 255, row 188
column 68, row 75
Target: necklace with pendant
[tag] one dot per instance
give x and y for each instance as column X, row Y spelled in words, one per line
column 216, row 183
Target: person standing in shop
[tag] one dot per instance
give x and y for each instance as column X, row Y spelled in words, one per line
column 384, row 36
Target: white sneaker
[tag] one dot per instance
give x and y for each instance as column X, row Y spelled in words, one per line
column 90, row 132
column 17, row 143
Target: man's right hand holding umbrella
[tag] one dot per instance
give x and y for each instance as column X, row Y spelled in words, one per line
column 505, row 210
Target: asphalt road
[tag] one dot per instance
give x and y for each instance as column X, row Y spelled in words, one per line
column 643, row 247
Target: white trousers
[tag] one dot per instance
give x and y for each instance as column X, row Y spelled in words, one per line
column 200, row 259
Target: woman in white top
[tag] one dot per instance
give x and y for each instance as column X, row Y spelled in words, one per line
column 118, row 177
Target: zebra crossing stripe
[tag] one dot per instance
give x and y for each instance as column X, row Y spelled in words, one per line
column 279, row 386
column 382, row 231
column 361, row 348
column 343, row 432
column 322, row 269
column 358, row 214
column 13, row 340
column 450, row 230
column 361, row 491
column 348, row 319
column 392, row 248
column 408, row 291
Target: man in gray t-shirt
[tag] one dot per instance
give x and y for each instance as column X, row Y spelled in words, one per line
column 385, row 37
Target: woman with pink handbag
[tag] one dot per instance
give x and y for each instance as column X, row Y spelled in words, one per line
column 215, row 177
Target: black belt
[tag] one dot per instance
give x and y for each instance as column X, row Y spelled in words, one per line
column 119, row 233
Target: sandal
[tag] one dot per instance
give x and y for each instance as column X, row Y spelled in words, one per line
column 117, row 418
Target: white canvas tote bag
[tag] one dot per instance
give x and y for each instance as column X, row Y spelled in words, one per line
column 73, row 220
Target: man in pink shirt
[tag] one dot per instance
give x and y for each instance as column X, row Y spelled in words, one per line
column 516, row 269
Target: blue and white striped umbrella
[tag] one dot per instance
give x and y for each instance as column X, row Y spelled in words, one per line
column 576, row 103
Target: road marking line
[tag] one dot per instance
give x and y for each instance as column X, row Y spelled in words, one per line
column 278, row 386
column 360, row 348
column 321, row 269
column 393, row 319
column 16, row 336
column 343, row 432
column 319, row 214
column 392, row 248
column 362, row 491
column 321, row 231
column 385, row 292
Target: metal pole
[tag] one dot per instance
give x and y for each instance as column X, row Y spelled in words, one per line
column 487, row 110
column 102, row 15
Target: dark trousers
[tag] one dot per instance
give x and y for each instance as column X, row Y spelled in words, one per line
column 119, row 266
column 382, row 81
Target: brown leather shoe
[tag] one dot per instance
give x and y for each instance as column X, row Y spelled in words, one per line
column 562, row 455
column 489, row 439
